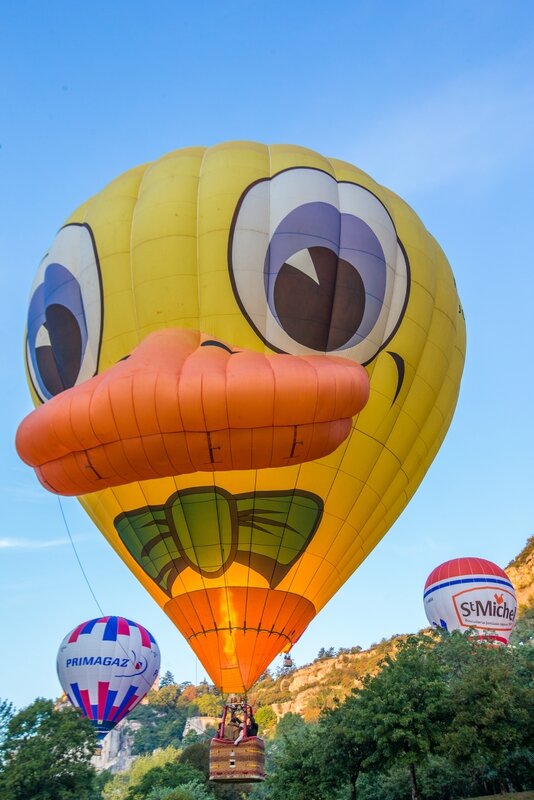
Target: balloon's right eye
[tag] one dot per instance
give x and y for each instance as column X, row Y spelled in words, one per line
column 316, row 266
column 65, row 314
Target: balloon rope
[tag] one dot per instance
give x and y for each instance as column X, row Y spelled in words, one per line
column 78, row 557
column 126, row 653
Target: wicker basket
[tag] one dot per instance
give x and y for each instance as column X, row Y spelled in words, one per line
column 243, row 762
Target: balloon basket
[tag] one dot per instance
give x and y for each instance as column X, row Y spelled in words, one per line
column 240, row 763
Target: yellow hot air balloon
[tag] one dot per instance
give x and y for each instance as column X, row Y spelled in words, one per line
column 244, row 358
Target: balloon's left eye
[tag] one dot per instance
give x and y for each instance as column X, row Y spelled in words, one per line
column 65, row 314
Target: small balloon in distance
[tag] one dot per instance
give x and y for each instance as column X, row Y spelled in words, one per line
column 106, row 666
column 471, row 593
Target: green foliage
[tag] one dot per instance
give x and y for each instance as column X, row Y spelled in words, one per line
column 266, row 719
column 169, row 775
column 345, row 747
column 162, row 726
column 165, row 775
column 446, row 718
column 168, row 695
column 290, row 725
column 163, row 718
column 491, row 702
column 197, row 756
column 209, row 705
column 523, row 633
column 6, row 713
column 46, row 754
column 167, row 679
column 325, row 653
column 297, row 773
column 193, row 790
column 403, row 709
column 190, row 738
column 121, row 783
column 522, row 559
column 101, row 780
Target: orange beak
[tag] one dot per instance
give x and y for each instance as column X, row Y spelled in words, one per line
column 182, row 403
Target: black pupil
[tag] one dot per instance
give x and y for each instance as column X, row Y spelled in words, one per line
column 322, row 316
column 59, row 362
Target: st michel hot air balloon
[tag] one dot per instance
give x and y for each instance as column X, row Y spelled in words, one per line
column 106, row 666
column 244, row 359
column 471, row 594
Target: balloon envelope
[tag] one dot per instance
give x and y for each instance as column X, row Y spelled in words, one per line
column 471, row 593
column 245, row 358
column 106, row 666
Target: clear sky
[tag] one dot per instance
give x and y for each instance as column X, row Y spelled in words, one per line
column 434, row 99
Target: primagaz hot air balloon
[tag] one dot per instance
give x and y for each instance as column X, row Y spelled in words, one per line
column 244, row 358
column 471, row 593
column 106, row 666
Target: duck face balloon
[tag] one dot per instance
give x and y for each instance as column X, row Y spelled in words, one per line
column 244, row 360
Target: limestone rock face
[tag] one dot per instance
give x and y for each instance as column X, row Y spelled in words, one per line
column 200, row 725
column 521, row 573
column 116, row 754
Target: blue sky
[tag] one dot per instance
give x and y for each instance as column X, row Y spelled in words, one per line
column 435, row 100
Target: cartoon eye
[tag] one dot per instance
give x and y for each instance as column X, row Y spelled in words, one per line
column 65, row 314
column 316, row 265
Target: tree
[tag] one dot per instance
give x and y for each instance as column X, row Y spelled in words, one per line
column 122, row 782
column 344, row 745
column 170, row 775
column 162, row 726
column 447, row 717
column 492, row 711
column 297, row 774
column 402, row 708
column 167, row 679
column 6, row 713
column 46, row 754
column 209, row 705
column 197, row 755
column 290, row 724
column 266, row 719
column 193, row 790
column 523, row 632
column 189, row 693
column 169, row 695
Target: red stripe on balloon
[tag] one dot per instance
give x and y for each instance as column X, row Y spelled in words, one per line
column 145, row 638
column 499, row 639
column 84, row 694
column 122, row 626
column 129, row 705
column 76, row 632
column 464, row 566
column 103, row 688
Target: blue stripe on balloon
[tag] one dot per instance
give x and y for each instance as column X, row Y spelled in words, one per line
column 135, row 625
column 76, row 692
column 110, row 699
column 467, row 580
column 131, row 691
column 110, row 631
column 88, row 627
